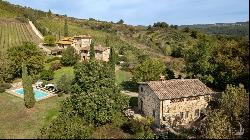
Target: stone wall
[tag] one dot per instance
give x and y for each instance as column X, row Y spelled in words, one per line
column 105, row 55
column 148, row 103
column 171, row 111
column 168, row 112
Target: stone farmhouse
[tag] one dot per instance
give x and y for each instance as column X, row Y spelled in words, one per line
column 173, row 102
column 81, row 44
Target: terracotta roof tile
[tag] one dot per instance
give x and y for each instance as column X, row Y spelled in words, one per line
column 178, row 88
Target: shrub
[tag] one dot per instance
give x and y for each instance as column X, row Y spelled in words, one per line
column 52, row 59
column 64, row 83
column 2, row 89
column 140, row 128
column 55, row 65
column 60, row 94
column 47, row 75
column 5, row 85
column 49, row 40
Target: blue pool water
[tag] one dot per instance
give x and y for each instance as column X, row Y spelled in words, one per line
column 38, row 93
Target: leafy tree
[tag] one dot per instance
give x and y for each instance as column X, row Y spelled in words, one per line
column 95, row 101
column 69, row 57
column 27, row 53
column 49, row 40
column 149, row 70
column 186, row 29
column 47, row 75
column 169, row 74
column 120, row 21
column 99, row 107
column 194, row 34
column 161, row 24
column 29, row 97
column 4, row 69
column 67, row 127
column 174, row 26
column 66, row 30
column 199, row 61
column 99, row 73
column 232, row 60
column 223, row 122
column 92, row 51
column 64, row 83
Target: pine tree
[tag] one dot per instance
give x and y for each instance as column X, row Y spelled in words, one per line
column 92, row 51
column 29, row 98
column 66, row 32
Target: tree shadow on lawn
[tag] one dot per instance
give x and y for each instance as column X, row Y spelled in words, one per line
column 129, row 86
column 133, row 102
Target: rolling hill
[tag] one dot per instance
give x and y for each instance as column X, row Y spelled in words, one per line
column 230, row 29
column 166, row 43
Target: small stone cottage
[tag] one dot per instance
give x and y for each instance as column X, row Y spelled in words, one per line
column 173, row 102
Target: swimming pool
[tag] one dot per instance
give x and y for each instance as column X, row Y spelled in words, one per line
column 38, row 93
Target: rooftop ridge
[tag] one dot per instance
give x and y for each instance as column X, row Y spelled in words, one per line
column 178, row 88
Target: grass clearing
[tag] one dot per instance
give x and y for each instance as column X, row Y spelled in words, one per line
column 16, row 122
column 121, row 75
column 64, row 70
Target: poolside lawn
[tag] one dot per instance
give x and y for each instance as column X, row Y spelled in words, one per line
column 121, row 75
column 16, row 122
column 64, row 70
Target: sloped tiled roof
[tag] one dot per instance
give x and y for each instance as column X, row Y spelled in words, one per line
column 178, row 88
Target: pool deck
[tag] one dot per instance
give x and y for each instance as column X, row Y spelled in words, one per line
column 13, row 92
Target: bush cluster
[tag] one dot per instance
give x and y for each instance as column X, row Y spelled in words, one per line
column 4, row 86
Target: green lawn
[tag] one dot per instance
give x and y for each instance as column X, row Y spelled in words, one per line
column 64, row 70
column 16, row 122
column 121, row 75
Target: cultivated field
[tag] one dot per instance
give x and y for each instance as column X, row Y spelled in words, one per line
column 14, row 32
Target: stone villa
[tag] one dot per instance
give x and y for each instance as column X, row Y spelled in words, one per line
column 173, row 102
column 81, row 44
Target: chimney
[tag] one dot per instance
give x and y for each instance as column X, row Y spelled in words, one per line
column 162, row 77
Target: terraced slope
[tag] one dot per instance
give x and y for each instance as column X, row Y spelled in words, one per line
column 13, row 32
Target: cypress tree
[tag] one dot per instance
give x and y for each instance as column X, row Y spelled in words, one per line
column 92, row 51
column 29, row 97
column 49, row 13
column 112, row 59
column 66, row 32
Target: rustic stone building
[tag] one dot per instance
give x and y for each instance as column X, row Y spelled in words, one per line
column 173, row 102
column 81, row 44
